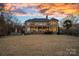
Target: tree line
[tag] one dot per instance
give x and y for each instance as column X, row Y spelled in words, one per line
column 9, row 24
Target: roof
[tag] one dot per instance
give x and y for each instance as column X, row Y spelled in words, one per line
column 54, row 19
column 38, row 19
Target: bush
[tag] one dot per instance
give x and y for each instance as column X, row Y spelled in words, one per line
column 74, row 32
column 48, row 32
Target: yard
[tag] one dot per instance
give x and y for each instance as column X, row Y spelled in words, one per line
column 39, row 45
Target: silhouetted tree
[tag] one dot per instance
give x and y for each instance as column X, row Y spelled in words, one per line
column 67, row 24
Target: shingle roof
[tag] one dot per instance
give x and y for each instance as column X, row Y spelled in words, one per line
column 54, row 19
column 38, row 19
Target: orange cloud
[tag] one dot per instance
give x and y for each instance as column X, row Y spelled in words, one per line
column 8, row 6
column 60, row 8
column 48, row 8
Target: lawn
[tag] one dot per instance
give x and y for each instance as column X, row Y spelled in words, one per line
column 39, row 45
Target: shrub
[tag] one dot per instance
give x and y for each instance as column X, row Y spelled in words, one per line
column 74, row 32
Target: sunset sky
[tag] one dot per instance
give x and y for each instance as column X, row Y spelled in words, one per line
column 25, row 11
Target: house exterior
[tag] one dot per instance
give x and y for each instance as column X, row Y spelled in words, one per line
column 41, row 25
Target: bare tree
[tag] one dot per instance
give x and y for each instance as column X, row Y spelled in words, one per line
column 73, row 18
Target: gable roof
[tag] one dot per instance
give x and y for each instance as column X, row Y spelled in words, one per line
column 54, row 19
column 38, row 20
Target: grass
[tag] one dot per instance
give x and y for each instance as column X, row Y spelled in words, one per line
column 39, row 45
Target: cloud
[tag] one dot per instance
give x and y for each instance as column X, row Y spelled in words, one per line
column 60, row 8
column 56, row 9
column 11, row 6
column 18, row 8
column 1, row 5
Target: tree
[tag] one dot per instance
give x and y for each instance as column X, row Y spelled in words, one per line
column 73, row 18
column 3, row 26
column 8, row 20
column 5, row 21
column 67, row 24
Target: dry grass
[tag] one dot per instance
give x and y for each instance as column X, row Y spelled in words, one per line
column 42, row 45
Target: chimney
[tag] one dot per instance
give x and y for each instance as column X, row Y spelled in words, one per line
column 46, row 16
